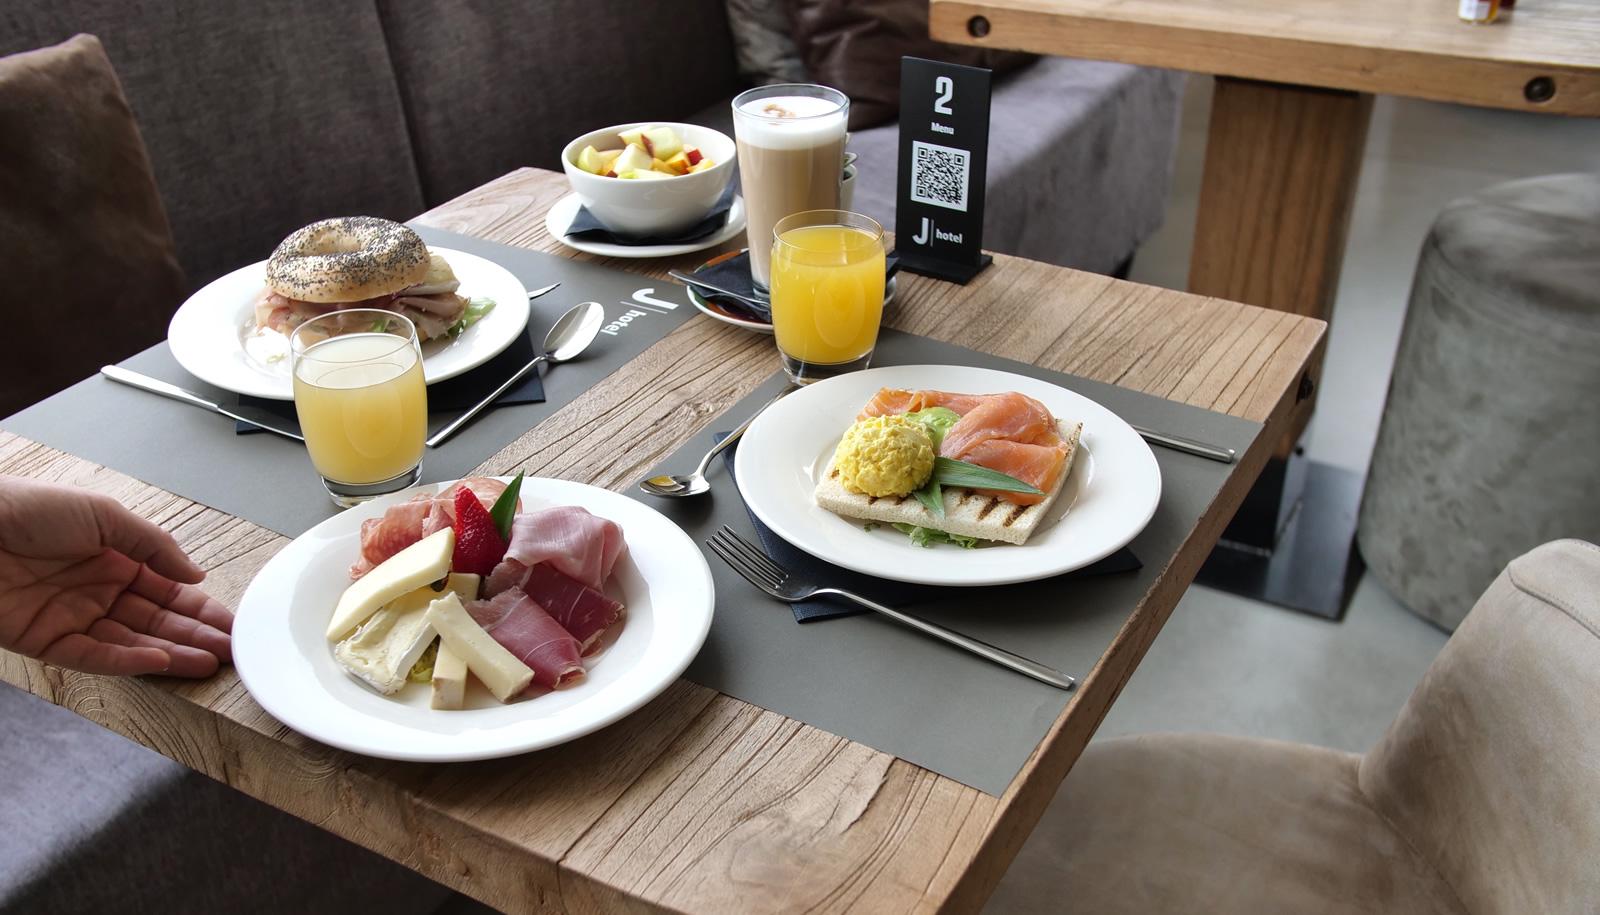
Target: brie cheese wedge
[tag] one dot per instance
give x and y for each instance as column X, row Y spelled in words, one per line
column 383, row 649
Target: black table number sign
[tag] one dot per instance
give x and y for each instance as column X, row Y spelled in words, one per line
column 944, row 151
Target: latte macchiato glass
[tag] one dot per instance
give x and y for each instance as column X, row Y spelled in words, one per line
column 791, row 154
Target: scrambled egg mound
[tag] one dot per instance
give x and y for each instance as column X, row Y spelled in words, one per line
column 884, row 456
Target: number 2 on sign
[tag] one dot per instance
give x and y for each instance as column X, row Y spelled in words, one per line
column 945, row 87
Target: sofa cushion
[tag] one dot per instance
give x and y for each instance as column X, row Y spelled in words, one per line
column 259, row 117
column 98, row 824
column 92, row 274
column 761, row 42
column 495, row 86
column 855, row 46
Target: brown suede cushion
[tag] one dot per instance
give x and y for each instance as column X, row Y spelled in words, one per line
column 855, row 46
column 91, row 272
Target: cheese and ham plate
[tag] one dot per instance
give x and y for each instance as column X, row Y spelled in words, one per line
column 337, row 658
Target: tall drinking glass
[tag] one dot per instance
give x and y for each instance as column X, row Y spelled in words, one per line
column 362, row 401
column 827, row 292
column 791, row 156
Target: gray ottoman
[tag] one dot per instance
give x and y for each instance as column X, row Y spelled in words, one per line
column 1490, row 443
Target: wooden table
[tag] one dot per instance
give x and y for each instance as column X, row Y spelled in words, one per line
column 700, row 802
column 1288, row 125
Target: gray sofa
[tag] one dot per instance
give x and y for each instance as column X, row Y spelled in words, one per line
column 262, row 116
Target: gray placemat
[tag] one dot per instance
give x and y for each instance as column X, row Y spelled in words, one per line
column 874, row 682
column 268, row 479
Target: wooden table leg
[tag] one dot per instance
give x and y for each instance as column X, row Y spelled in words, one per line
column 1282, row 163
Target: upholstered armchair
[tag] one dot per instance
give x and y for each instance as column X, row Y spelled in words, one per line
column 1482, row 798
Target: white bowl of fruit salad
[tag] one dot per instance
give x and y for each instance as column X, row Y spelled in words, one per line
column 650, row 178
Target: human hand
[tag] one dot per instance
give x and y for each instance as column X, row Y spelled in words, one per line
column 87, row 584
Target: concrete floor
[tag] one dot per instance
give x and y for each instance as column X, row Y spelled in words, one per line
column 1230, row 665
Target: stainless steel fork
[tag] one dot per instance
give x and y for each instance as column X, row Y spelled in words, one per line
column 752, row 562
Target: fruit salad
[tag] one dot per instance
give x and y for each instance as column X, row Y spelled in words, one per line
column 647, row 153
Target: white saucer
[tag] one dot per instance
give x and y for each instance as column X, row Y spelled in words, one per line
column 565, row 210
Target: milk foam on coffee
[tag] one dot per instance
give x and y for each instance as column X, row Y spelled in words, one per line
column 791, row 122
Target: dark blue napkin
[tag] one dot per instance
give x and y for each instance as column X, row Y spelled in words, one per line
column 444, row 397
column 898, row 594
column 587, row 228
column 732, row 272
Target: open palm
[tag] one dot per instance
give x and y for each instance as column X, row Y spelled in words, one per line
column 87, row 584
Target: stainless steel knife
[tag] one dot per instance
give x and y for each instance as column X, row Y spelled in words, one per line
column 157, row 386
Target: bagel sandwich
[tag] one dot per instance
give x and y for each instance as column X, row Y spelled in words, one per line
column 360, row 262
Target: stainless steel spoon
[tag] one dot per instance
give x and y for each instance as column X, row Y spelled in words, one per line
column 677, row 485
column 571, row 335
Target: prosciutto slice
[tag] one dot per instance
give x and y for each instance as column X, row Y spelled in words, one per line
column 408, row 522
column 523, row 628
column 580, row 609
column 574, row 542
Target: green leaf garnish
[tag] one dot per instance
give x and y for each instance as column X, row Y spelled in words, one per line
column 951, row 472
column 379, row 326
column 936, row 421
column 931, row 495
column 476, row 309
column 505, row 508
column 927, row 536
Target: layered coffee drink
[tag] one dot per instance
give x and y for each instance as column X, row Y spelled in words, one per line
column 791, row 159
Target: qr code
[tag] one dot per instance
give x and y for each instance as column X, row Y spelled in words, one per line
column 939, row 175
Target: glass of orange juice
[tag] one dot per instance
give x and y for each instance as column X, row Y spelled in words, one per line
column 827, row 292
column 362, row 402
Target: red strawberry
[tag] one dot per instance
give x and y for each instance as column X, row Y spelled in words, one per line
column 479, row 546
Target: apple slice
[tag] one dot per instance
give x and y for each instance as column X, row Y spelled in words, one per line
column 634, row 158
column 701, row 166
column 589, row 160
column 608, row 156
column 664, row 142
column 656, row 165
column 634, row 137
column 644, row 173
column 679, row 164
column 693, row 153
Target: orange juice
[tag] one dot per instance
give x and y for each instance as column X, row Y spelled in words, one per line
column 827, row 293
column 363, row 406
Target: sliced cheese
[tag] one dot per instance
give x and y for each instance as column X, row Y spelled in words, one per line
column 449, row 670
column 383, row 649
column 449, row 679
column 465, row 584
column 421, row 563
column 488, row 660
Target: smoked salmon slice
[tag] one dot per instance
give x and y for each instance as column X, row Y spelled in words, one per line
column 1009, row 432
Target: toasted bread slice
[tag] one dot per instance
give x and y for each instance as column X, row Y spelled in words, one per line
column 965, row 511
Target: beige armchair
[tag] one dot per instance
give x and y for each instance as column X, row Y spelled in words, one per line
column 1482, row 798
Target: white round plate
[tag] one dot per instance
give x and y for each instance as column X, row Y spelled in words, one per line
column 214, row 337
column 1112, row 488
column 287, row 664
column 712, row 309
column 563, row 211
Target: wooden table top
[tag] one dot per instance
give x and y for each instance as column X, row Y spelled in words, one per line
column 1417, row 48
column 701, row 802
